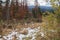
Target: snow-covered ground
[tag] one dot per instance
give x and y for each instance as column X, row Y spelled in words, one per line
column 19, row 36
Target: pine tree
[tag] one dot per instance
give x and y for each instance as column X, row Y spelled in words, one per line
column 36, row 11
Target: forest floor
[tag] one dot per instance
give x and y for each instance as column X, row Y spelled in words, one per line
column 28, row 31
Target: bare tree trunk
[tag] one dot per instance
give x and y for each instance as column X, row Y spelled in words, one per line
column 7, row 10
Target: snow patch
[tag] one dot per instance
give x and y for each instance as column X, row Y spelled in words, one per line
column 31, row 33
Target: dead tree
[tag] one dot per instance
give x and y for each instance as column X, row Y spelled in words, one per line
column 14, row 9
column 23, row 9
column 17, row 10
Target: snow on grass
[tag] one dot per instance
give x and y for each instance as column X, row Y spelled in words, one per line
column 31, row 33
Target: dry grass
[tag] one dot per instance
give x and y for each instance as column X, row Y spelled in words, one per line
column 51, row 32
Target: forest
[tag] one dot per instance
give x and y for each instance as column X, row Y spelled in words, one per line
column 17, row 22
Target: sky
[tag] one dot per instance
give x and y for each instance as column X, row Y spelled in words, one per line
column 41, row 2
